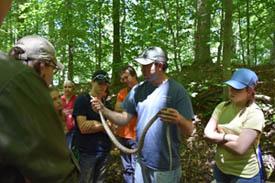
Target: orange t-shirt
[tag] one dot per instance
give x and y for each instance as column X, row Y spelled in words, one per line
column 126, row 131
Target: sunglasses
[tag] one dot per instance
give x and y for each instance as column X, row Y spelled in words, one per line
column 101, row 77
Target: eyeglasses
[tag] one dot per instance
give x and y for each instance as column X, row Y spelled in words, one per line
column 48, row 62
column 101, row 77
column 53, row 65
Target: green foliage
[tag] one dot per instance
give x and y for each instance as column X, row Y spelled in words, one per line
column 86, row 27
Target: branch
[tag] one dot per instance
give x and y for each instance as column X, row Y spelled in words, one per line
column 264, row 98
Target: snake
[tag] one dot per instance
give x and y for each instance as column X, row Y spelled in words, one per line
column 118, row 144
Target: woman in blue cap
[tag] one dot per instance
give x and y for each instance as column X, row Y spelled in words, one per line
column 235, row 126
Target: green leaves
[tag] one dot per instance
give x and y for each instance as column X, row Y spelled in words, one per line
column 87, row 27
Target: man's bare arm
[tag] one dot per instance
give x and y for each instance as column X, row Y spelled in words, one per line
column 116, row 117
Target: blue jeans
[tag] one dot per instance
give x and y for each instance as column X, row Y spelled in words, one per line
column 144, row 174
column 128, row 161
column 70, row 139
column 92, row 167
column 221, row 177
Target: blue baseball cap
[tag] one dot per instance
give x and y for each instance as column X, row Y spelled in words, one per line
column 243, row 78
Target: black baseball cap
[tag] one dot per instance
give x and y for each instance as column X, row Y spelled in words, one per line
column 101, row 76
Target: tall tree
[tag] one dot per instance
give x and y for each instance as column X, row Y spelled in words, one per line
column 116, row 43
column 272, row 37
column 122, row 29
column 241, row 40
column 227, row 39
column 202, row 35
column 67, row 32
column 99, row 38
column 220, row 36
column 248, row 57
column 174, row 33
column 272, row 54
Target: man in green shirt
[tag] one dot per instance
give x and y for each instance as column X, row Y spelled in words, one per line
column 32, row 142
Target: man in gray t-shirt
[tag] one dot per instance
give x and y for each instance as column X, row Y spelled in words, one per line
column 159, row 160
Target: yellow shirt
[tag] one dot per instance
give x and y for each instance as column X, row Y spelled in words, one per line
column 233, row 121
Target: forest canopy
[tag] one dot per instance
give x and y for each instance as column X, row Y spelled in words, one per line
column 89, row 35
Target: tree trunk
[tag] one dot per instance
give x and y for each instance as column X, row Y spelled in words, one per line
column 248, row 33
column 203, row 33
column 116, row 44
column 242, row 49
column 220, row 36
column 196, row 34
column 69, row 40
column 172, row 33
column 99, row 47
column 122, row 31
column 70, row 61
column 272, row 54
column 255, row 50
column 227, row 40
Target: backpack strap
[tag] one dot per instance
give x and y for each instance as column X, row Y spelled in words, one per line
column 258, row 153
